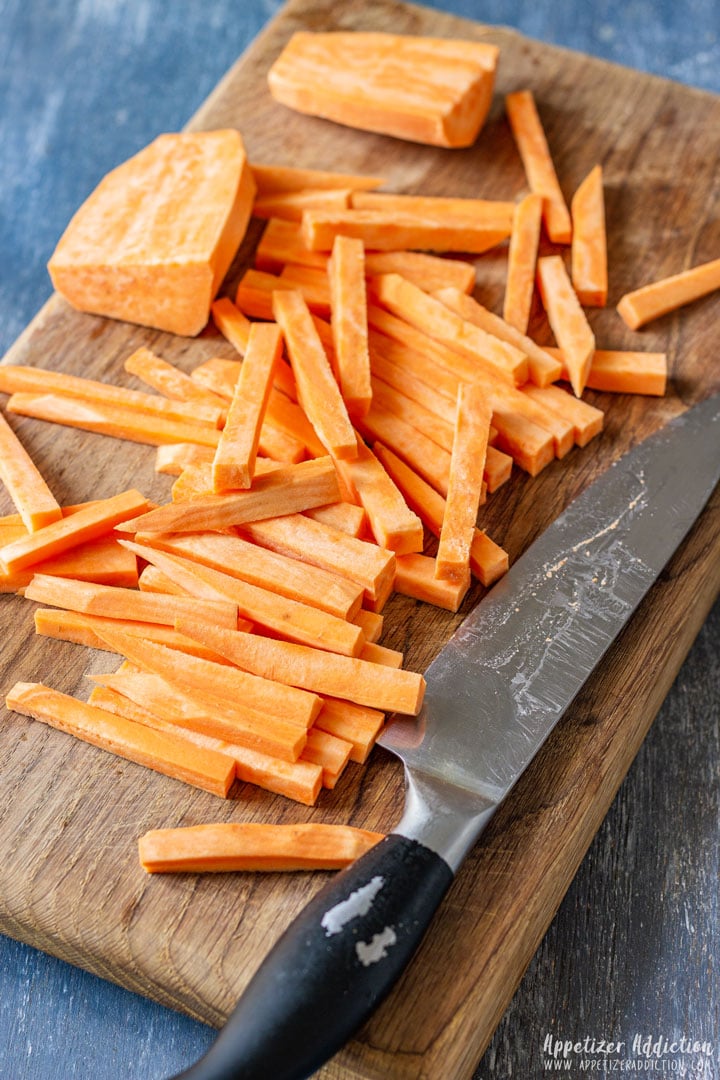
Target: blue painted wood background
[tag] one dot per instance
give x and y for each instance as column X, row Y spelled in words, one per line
column 84, row 84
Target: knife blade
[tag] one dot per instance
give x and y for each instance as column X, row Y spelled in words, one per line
column 494, row 694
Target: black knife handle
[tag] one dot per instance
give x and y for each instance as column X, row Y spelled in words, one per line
column 331, row 968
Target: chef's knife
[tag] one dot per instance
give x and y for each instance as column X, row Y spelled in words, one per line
column 494, row 694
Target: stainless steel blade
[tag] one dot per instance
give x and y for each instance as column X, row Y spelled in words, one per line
column 513, row 667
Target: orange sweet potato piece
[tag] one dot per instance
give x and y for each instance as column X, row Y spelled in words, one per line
column 567, row 319
column 416, row 576
column 153, row 242
column 318, row 391
column 346, row 272
column 285, row 490
column 394, row 526
column 271, row 179
column 467, row 461
column 427, row 90
column 649, row 302
column 539, row 168
column 589, row 241
column 89, row 522
column 234, row 462
column 291, row 204
column 163, row 752
column 253, row 846
column 298, row 780
column 27, row 489
column 320, row 672
column 522, row 257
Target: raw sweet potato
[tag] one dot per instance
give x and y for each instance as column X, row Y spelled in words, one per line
column 427, row 90
column 154, row 240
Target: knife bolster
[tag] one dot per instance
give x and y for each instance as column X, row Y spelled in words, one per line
column 445, row 818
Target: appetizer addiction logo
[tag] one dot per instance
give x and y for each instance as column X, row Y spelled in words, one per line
column 644, row 1054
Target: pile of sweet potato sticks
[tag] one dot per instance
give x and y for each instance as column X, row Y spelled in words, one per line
column 375, row 400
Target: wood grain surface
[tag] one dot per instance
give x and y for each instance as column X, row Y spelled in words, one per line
column 69, row 881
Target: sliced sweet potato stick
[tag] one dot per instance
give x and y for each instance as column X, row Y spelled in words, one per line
column 291, row 204
column 172, row 458
column 429, row 272
column 329, row 752
column 127, row 604
column 153, row 580
column 589, row 241
column 489, row 212
column 415, row 576
column 312, row 283
column 234, row 461
column 619, row 372
column 382, row 230
column 346, row 274
column 298, row 780
column 256, row 288
column 567, row 319
column 393, row 525
column 253, row 846
column 162, row 752
column 357, row 724
column 465, row 484
column 285, row 490
column 488, row 561
column 277, row 614
column 209, row 715
column 409, row 302
column 343, row 516
column 267, row 569
column 86, row 630
column 522, row 259
column 96, row 519
column 296, row 706
column 231, row 323
column 282, row 243
column 318, row 392
column 371, row 623
column 365, row 683
column 12, row 526
column 587, row 421
column 219, row 375
column 113, row 420
column 322, row 545
column 102, row 561
column 542, row 367
column 270, row 179
column 34, row 500
column 539, row 168
column 379, row 654
column 282, row 413
column 651, row 301
column 285, row 415
column 17, row 379
column 170, row 380
column 197, row 479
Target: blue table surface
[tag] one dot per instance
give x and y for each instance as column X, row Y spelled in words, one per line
column 84, row 84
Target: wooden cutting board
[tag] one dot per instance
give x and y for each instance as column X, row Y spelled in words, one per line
column 70, row 815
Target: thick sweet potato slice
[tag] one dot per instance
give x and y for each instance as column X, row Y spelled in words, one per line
column 427, row 90
column 154, row 240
